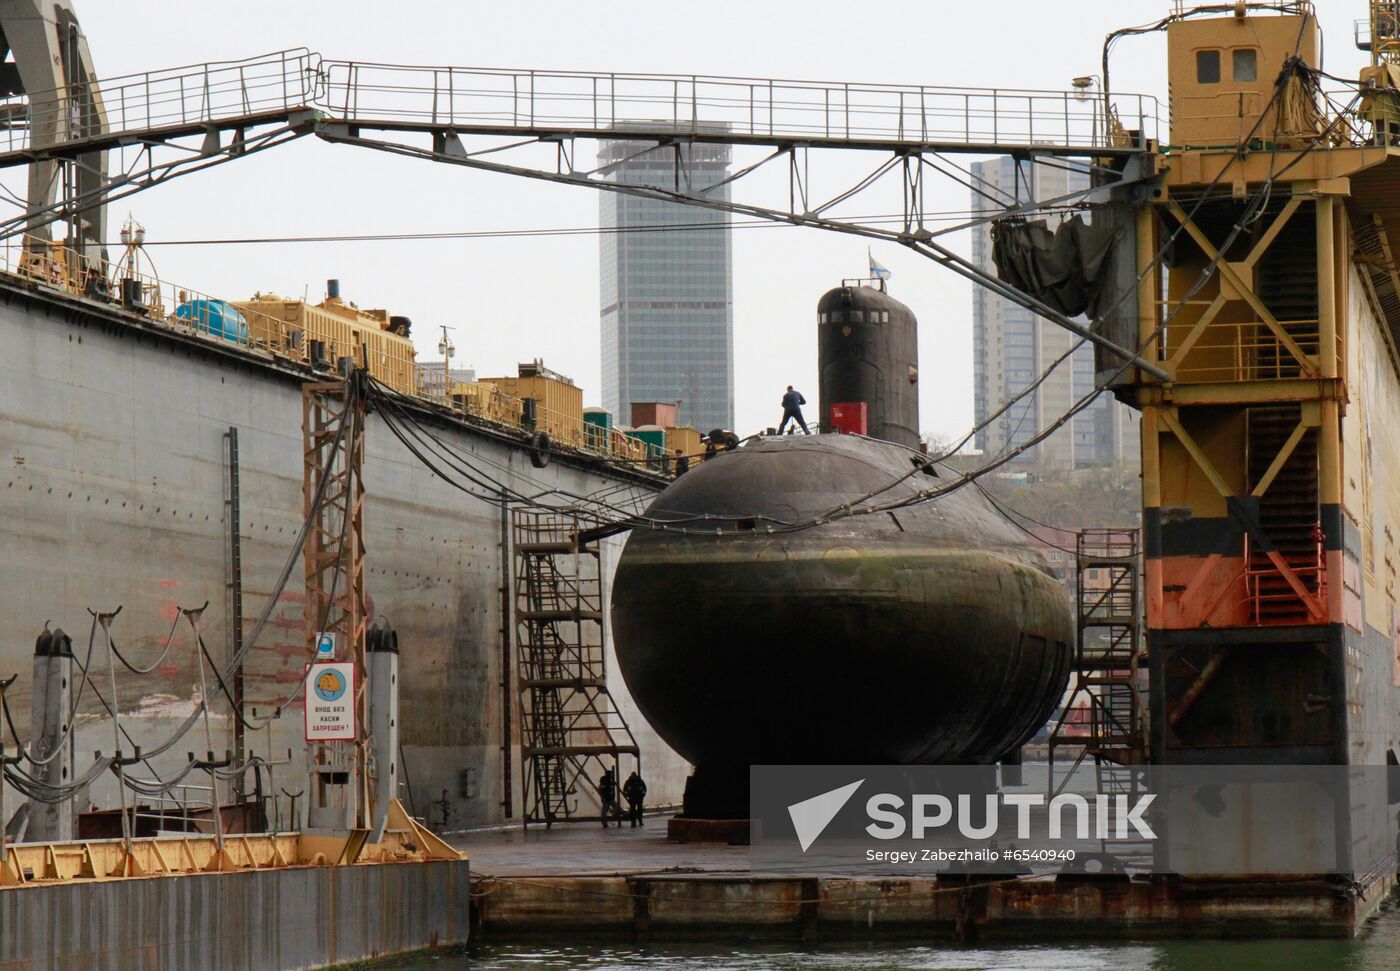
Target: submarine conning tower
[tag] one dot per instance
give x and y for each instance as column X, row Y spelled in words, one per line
column 868, row 354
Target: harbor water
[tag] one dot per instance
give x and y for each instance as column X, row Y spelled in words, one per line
column 1376, row 948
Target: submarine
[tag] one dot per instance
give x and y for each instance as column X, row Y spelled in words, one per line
column 777, row 620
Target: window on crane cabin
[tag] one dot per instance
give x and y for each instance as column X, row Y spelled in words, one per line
column 1245, row 63
column 1207, row 67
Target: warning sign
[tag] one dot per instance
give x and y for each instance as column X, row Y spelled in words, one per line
column 330, row 702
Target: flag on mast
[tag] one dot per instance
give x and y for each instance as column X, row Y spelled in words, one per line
column 876, row 270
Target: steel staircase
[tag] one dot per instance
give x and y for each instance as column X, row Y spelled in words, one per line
column 1288, row 518
column 571, row 733
column 1104, row 717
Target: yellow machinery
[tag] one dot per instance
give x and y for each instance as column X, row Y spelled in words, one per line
column 322, row 334
column 558, row 402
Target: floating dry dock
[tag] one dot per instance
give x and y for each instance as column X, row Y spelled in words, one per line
column 635, row 884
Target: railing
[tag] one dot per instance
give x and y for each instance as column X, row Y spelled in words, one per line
column 179, row 307
column 765, row 109
column 1271, row 598
column 180, row 96
column 758, row 108
column 1245, row 351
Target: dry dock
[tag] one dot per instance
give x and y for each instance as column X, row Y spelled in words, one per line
column 633, row 884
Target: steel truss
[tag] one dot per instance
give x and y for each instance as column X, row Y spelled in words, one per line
column 333, row 421
column 913, row 163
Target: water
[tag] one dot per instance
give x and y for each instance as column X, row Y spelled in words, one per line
column 1377, row 949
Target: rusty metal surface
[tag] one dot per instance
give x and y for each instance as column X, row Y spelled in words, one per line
column 287, row 919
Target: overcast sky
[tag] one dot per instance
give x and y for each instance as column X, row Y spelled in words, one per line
column 515, row 299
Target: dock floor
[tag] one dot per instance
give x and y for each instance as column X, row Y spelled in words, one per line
column 633, row 884
column 589, row 850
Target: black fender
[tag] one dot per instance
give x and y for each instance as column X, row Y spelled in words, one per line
column 539, row 450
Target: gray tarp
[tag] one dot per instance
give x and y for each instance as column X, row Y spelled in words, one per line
column 1069, row 269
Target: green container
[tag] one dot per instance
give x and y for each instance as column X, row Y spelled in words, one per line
column 597, row 422
column 654, row 437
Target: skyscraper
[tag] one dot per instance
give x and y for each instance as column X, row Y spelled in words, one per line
column 667, row 294
column 1011, row 346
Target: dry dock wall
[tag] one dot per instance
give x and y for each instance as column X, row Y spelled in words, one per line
column 112, row 483
column 302, row 917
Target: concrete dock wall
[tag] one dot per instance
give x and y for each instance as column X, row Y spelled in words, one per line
column 112, row 480
column 303, row 917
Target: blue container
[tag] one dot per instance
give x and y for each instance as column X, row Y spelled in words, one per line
column 216, row 318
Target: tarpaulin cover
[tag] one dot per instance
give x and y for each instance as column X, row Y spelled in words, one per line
column 1067, row 269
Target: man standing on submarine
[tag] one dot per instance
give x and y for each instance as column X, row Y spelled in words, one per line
column 792, row 410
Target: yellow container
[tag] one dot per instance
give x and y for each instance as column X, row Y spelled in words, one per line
column 559, row 409
column 686, row 439
column 288, row 327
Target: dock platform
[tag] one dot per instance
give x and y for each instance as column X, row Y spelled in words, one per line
column 633, row 884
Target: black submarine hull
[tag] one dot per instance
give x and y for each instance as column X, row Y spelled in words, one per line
column 929, row 634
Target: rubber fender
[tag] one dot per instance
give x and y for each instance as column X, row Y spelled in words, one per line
column 539, row 450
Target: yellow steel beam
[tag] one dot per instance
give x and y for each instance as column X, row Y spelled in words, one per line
column 1263, row 391
column 1276, row 466
column 1329, row 448
column 1168, row 416
column 1275, row 227
column 1193, row 169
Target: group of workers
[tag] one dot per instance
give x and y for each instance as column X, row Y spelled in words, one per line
column 634, row 790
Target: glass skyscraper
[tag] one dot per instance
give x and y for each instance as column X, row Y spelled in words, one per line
column 667, row 294
column 1011, row 346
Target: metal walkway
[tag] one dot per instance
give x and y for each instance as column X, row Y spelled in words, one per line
column 156, row 106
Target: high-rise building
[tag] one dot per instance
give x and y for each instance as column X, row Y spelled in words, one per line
column 1012, row 345
column 667, row 294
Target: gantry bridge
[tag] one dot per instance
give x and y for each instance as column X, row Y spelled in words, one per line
column 143, row 129
column 301, row 86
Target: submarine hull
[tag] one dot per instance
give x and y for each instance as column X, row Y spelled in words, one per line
column 922, row 634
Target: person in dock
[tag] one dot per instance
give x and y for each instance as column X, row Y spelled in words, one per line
column 792, row 410
column 681, row 467
column 634, row 790
column 607, row 796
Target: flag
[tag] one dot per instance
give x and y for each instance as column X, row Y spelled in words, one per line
column 876, row 270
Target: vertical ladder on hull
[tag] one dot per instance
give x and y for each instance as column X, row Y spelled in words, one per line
column 571, row 732
column 1104, row 716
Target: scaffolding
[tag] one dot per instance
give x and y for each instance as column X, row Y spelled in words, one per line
column 571, row 733
column 1104, row 717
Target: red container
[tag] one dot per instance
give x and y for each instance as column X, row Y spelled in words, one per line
column 848, row 418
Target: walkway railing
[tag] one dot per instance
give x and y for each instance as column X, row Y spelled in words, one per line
column 583, row 103
column 193, row 94
column 721, row 107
